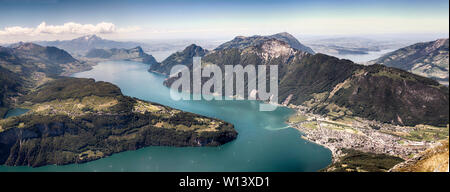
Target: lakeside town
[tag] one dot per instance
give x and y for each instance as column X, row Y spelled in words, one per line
column 365, row 135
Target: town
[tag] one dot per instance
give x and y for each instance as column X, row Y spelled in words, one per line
column 365, row 135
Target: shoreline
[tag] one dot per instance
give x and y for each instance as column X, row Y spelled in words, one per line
column 358, row 134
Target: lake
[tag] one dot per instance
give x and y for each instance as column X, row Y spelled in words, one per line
column 15, row 112
column 362, row 58
column 264, row 143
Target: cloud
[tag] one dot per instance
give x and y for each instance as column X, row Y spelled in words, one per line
column 67, row 28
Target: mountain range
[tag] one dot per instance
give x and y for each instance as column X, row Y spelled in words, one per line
column 81, row 45
column 328, row 85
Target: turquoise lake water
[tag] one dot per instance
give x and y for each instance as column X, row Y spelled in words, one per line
column 15, row 112
column 265, row 142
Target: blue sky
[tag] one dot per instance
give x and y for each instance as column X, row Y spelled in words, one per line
column 151, row 19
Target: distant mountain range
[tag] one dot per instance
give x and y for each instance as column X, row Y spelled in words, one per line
column 328, row 85
column 160, row 49
column 82, row 45
column 428, row 59
column 133, row 54
column 95, row 47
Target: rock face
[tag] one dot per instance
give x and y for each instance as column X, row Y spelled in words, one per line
column 242, row 42
column 81, row 45
column 134, row 54
column 428, row 59
column 328, row 85
column 179, row 58
column 75, row 120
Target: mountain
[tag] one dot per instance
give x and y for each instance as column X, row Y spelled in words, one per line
column 179, row 58
column 337, row 88
column 429, row 59
column 74, row 120
column 242, row 42
column 292, row 41
column 134, row 54
column 328, row 85
column 81, row 45
column 34, row 61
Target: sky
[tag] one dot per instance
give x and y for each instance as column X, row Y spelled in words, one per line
column 31, row 20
